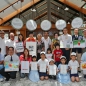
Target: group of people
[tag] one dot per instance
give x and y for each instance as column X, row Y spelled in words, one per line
column 49, row 54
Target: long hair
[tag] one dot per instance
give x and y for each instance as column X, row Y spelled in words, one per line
column 19, row 38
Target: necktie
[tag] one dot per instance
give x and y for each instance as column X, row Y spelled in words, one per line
column 11, row 59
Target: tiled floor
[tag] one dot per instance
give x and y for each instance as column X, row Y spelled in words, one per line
column 26, row 82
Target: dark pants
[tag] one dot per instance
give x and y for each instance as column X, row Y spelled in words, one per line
column 66, row 53
column 11, row 75
column 84, row 76
column 52, row 77
column 57, row 63
column 38, row 56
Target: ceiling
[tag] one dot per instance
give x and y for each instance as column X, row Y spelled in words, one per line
column 52, row 12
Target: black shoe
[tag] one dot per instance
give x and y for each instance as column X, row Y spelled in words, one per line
column 54, row 77
column 79, row 71
column 7, row 79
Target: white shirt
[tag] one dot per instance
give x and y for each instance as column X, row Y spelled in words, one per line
column 14, row 57
column 73, row 63
column 10, row 43
column 67, row 38
column 85, row 40
column 47, row 42
column 40, row 61
column 3, row 46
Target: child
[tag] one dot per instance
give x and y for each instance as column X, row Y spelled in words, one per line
column 33, row 75
column 52, row 69
column 83, row 59
column 57, row 54
column 63, row 77
column 73, row 65
column 43, row 64
column 49, row 54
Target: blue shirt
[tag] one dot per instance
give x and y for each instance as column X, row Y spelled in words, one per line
column 83, row 58
column 1, row 57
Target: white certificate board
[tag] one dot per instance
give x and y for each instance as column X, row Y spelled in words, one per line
column 52, row 69
column 32, row 47
column 63, row 69
column 34, row 66
column 42, row 68
column 24, row 66
column 49, row 56
column 19, row 47
column 74, row 70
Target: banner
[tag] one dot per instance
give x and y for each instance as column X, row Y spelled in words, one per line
column 32, row 47
column 19, row 47
column 11, row 66
column 79, row 43
column 24, row 66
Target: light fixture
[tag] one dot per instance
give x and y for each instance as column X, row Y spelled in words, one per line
column 33, row 7
column 66, row 8
column 58, row 8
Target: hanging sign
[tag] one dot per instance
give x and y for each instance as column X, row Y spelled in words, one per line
column 46, row 25
column 60, row 24
column 31, row 25
column 77, row 22
column 17, row 23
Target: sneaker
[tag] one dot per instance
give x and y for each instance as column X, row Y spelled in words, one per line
column 1, row 80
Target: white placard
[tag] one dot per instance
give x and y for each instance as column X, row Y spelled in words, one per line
column 49, row 56
column 46, row 25
column 31, row 25
column 42, row 68
column 52, row 69
column 19, row 47
column 65, row 44
column 63, row 69
column 60, row 24
column 77, row 22
column 17, row 23
column 32, row 47
column 34, row 66
column 24, row 66
column 74, row 70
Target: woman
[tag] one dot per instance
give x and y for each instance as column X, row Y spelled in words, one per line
column 21, row 41
column 40, row 45
column 25, row 57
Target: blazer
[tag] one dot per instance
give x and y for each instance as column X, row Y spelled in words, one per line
column 79, row 50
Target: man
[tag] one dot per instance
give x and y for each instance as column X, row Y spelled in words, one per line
column 1, row 64
column 11, row 43
column 2, row 43
column 84, row 38
column 78, row 51
column 47, row 41
column 10, row 57
column 66, row 38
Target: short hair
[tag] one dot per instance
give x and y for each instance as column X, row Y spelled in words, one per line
column 65, row 28
column 34, row 56
column 46, row 31
column 49, row 49
column 0, row 49
column 56, row 44
column 30, row 33
column 56, row 33
column 11, row 48
column 2, row 31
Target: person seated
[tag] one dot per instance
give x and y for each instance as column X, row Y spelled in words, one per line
column 11, row 57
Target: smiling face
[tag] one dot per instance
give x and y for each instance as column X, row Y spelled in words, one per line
column 73, row 57
column 51, row 63
column 76, row 31
column 12, row 36
column 43, row 56
column 65, row 31
column 63, row 61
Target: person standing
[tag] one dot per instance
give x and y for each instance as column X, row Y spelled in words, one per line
column 2, row 43
column 11, row 43
column 40, row 46
column 84, row 38
column 47, row 41
column 78, row 51
column 66, row 38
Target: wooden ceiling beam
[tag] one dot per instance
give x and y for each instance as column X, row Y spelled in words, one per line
column 17, row 11
column 45, row 13
column 70, row 4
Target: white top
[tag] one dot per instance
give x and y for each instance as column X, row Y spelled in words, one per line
column 40, row 61
column 11, row 43
column 14, row 57
column 73, row 63
column 3, row 46
column 85, row 40
column 47, row 42
column 67, row 38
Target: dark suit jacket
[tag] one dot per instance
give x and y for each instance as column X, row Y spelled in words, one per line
column 79, row 50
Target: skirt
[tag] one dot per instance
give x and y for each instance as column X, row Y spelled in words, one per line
column 63, row 78
column 34, row 76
